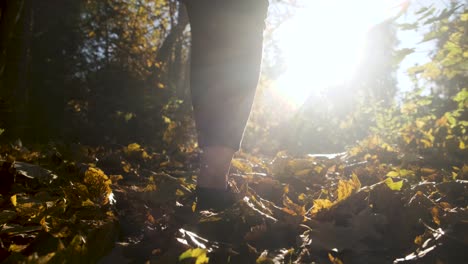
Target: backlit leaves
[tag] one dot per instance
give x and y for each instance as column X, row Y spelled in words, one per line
column 320, row 204
column 98, row 185
column 400, row 55
column 45, row 207
column 401, row 187
column 394, row 185
column 13, row 200
column 346, row 188
column 198, row 253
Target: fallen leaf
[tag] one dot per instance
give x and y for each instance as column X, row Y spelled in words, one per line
column 394, row 186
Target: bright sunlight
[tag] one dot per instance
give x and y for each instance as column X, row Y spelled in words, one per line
column 322, row 43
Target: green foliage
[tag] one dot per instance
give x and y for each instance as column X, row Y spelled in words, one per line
column 448, row 67
column 424, row 124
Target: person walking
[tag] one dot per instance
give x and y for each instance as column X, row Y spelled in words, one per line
column 226, row 54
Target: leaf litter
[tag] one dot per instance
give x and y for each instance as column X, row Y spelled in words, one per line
column 134, row 204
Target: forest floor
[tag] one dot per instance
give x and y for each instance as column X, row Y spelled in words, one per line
column 130, row 204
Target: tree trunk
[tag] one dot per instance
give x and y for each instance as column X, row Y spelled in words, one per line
column 15, row 25
column 166, row 49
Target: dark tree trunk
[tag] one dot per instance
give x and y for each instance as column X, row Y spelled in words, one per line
column 166, row 50
column 15, row 25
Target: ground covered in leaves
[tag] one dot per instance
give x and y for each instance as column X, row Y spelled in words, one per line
column 131, row 204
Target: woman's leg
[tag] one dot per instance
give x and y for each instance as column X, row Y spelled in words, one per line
column 226, row 53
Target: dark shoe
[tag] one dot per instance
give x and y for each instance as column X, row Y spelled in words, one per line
column 214, row 199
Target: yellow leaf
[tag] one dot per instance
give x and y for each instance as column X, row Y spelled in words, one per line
column 150, row 188
column 419, row 123
column 427, row 170
column 167, row 120
column 301, row 197
column 13, row 200
column 320, row 204
column 387, row 147
column 346, row 188
column 299, row 164
column 395, row 186
column 404, row 173
column 133, row 147
column 288, row 211
column 116, row 178
column 462, row 145
column 145, row 155
column 418, row 240
column 303, row 172
column 454, row 175
column 198, row 253
column 318, row 169
column 98, row 185
column 126, row 166
column 465, row 169
column 445, row 205
column 17, row 248
column 356, row 181
column 86, row 203
column 241, row 166
column 296, row 209
column 393, row 174
column 164, row 164
column 464, row 17
column 426, row 143
column 334, row 260
column 435, row 215
column 44, row 224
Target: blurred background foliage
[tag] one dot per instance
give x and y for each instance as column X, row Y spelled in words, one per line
column 116, row 72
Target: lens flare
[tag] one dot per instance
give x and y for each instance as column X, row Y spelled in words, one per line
column 322, row 43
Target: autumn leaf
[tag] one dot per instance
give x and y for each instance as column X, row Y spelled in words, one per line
column 334, row 260
column 418, row 240
column 98, row 185
column 294, row 209
column 241, row 165
column 320, row 204
column 346, row 188
column 301, row 197
column 198, row 253
column 13, row 200
column 394, row 186
column 435, row 215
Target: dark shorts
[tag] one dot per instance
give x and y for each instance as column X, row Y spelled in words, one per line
column 227, row 40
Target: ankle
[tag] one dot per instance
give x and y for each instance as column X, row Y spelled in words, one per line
column 208, row 198
column 214, row 167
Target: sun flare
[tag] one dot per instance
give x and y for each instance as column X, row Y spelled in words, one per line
column 322, row 43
